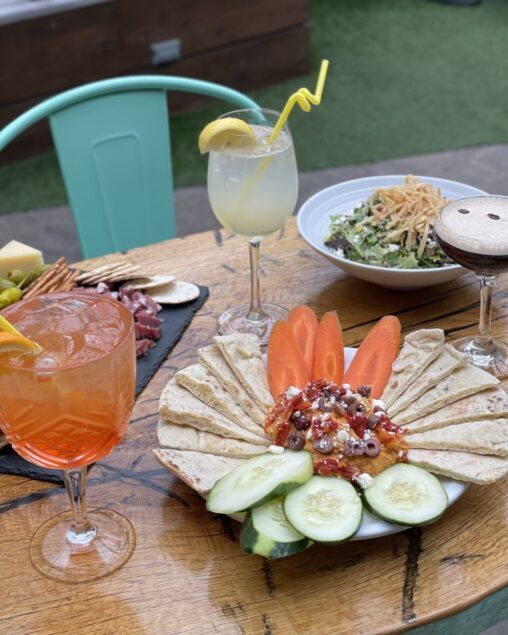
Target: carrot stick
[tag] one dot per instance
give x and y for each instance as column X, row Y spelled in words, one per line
column 372, row 364
column 286, row 364
column 304, row 324
column 329, row 350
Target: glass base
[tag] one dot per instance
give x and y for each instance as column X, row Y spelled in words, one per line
column 234, row 320
column 110, row 547
column 493, row 359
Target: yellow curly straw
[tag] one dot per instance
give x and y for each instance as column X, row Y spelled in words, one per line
column 302, row 97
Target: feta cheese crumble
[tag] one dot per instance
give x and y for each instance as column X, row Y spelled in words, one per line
column 342, row 436
column 364, row 480
column 292, row 391
column 380, row 403
column 276, row 449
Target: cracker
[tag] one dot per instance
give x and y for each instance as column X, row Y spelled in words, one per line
column 149, row 282
column 176, row 292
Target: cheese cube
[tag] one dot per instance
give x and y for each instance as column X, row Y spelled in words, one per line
column 16, row 255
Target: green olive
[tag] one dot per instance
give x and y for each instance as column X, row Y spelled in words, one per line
column 6, row 284
column 41, row 269
column 16, row 275
column 28, row 278
column 9, row 296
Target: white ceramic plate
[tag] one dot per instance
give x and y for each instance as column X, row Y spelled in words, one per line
column 313, row 222
column 373, row 527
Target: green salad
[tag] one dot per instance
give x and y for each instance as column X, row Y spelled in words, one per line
column 372, row 237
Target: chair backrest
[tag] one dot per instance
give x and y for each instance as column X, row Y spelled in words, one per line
column 112, row 139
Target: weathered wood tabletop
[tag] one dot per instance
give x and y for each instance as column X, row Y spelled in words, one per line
column 188, row 574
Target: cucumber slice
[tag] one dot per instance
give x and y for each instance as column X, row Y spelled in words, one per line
column 258, row 480
column 267, row 532
column 325, row 509
column 406, row 495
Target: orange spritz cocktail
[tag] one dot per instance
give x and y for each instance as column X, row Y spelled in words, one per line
column 66, row 407
column 69, row 405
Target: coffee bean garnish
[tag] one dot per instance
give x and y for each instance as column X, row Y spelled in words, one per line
column 493, row 216
column 463, row 211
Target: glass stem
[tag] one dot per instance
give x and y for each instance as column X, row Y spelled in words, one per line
column 81, row 530
column 484, row 338
column 256, row 313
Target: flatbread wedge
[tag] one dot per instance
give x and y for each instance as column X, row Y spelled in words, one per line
column 480, row 437
column 420, row 348
column 198, row 380
column 180, row 406
column 211, row 357
column 488, row 404
column 462, row 466
column 177, row 437
column 461, row 383
column 243, row 354
column 199, row 471
column 449, row 360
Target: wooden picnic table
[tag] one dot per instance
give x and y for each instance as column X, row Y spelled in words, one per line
column 187, row 573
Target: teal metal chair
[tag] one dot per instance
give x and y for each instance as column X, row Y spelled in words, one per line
column 113, row 144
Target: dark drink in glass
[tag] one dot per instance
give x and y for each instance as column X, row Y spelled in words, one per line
column 474, row 233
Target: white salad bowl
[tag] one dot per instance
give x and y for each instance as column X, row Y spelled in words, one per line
column 313, row 221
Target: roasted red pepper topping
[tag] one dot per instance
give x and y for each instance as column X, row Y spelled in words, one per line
column 329, row 426
column 278, row 416
column 359, row 424
column 389, row 425
column 283, row 434
column 315, row 390
column 327, row 467
column 316, row 430
column 320, row 427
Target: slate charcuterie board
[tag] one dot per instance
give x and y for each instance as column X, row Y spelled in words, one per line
column 176, row 319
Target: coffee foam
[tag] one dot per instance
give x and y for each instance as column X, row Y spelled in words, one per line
column 476, row 231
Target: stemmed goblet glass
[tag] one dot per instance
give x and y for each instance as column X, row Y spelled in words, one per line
column 474, row 232
column 252, row 193
column 65, row 408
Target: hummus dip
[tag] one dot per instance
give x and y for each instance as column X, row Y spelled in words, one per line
column 348, row 434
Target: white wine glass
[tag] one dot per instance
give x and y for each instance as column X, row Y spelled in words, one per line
column 253, row 192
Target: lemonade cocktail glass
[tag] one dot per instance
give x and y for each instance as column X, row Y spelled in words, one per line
column 253, row 192
column 65, row 408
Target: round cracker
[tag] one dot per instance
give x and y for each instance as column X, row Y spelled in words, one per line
column 150, row 282
column 175, row 293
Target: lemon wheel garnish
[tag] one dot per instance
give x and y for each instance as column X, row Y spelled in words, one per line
column 229, row 133
column 12, row 342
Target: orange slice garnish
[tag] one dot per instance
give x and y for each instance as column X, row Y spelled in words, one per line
column 12, row 342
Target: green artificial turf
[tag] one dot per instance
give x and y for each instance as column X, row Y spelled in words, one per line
column 406, row 77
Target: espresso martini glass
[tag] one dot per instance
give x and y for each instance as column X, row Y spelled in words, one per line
column 474, row 232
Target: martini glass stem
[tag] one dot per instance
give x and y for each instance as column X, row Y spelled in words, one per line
column 256, row 313
column 81, row 531
column 484, row 338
